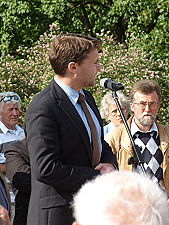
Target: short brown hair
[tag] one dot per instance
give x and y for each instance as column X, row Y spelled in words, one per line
column 70, row 48
column 145, row 87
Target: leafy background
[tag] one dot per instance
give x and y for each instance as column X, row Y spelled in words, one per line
column 135, row 37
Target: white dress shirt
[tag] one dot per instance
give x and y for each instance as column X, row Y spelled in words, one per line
column 7, row 135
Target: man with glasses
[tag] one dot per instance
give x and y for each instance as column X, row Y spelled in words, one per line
column 150, row 137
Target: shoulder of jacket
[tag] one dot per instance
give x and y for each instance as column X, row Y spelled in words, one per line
column 162, row 127
column 87, row 93
column 114, row 134
column 163, row 133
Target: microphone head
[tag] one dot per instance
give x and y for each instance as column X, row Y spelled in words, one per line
column 109, row 84
column 103, row 81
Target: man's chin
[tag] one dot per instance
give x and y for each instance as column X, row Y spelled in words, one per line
column 91, row 84
column 147, row 121
column 14, row 122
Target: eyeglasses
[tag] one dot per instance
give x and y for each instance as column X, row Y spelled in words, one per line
column 142, row 105
column 114, row 112
column 9, row 98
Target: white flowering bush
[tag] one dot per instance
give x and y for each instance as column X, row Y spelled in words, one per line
column 29, row 73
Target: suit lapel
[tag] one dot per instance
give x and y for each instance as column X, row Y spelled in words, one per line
column 65, row 104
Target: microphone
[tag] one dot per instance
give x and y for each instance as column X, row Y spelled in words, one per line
column 114, row 86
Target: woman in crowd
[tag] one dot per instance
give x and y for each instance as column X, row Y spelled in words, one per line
column 110, row 112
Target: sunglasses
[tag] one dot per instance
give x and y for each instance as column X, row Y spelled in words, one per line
column 9, row 98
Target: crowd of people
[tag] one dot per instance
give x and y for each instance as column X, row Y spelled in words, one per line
column 65, row 167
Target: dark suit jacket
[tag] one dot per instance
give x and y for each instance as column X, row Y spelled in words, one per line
column 60, row 152
column 19, row 173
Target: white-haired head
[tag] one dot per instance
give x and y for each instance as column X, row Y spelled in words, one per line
column 108, row 100
column 121, row 198
column 9, row 96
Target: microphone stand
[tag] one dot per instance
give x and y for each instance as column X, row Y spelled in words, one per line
column 137, row 159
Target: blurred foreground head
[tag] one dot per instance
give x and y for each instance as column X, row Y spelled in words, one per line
column 121, row 198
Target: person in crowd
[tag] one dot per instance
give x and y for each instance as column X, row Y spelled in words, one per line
column 5, row 201
column 110, row 112
column 150, row 137
column 64, row 132
column 121, row 198
column 10, row 104
column 4, row 216
column 19, row 173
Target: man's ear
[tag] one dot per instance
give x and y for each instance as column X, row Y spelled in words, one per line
column 132, row 107
column 75, row 223
column 72, row 67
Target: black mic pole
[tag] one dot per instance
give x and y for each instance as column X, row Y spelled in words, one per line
column 137, row 159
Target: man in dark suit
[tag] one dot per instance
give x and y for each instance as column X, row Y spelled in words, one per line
column 60, row 139
column 19, row 173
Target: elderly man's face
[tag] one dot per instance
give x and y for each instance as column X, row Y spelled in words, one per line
column 9, row 115
column 145, row 108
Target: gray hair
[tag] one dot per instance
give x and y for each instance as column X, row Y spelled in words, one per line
column 121, row 198
column 145, row 87
column 9, row 93
column 108, row 100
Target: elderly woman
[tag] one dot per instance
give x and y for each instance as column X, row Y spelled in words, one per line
column 110, row 112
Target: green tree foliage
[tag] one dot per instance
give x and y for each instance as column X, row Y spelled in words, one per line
column 21, row 23
column 145, row 23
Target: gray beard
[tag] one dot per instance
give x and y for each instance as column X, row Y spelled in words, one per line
column 147, row 121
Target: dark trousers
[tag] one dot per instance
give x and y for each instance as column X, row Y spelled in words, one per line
column 61, row 215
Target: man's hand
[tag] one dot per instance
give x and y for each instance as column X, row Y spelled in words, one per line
column 4, row 217
column 105, row 168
